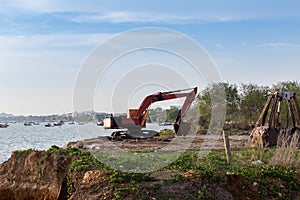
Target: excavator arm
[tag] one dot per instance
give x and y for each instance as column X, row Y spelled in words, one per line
column 187, row 103
column 162, row 96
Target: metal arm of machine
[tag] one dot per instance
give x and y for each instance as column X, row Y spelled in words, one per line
column 161, row 96
column 187, row 103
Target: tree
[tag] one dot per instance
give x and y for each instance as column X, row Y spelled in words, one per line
column 253, row 99
column 157, row 115
column 232, row 101
column 288, row 86
column 204, row 101
column 204, row 104
column 172, row 114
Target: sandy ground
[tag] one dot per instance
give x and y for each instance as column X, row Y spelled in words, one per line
column 169, row 142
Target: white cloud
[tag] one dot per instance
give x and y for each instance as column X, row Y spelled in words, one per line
column 131, row 16
column 127, row 16
column 95, row 12
column 278, row 45
column 153, row 11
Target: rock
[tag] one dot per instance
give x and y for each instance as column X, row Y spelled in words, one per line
column 255, row 184
column 264, row 136
column 191, row 173
column 257, row 162
column 92, row 177
column 55, row 147
column 77, row 144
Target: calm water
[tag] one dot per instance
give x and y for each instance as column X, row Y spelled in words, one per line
column 20, row 137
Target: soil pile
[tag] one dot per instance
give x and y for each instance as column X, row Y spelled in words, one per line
column 34, row 175
column 75, row 174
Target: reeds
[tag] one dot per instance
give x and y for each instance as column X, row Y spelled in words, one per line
column 287, row 150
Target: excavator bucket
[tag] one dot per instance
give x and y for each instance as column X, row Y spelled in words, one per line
column 182, row 129
column 274, row 119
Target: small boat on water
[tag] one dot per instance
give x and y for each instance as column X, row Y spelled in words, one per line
column 5, row 125
column 60, row 123
column 71, row 123
column 48, row 124
column 27, row 124
column 100, row 123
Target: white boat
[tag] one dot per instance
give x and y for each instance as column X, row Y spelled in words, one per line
column 100, row 123
column 60, row 123
column 5, row 125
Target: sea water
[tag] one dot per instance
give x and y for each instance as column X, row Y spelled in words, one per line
column 38, row 137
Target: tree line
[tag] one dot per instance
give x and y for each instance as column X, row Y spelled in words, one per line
column 244, row 103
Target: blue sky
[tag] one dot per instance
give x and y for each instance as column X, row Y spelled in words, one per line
column 43, row 43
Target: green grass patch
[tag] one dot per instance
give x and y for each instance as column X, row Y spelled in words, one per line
column 23, row 151
column 166, row 132
column 84, row 161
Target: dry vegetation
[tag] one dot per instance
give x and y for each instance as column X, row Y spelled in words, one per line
column 287, row 150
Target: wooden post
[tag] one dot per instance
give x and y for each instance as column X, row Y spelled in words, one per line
column 227, row 146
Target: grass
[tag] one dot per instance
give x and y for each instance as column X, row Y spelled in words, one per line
column 214, row 165
column 85, row 160
column 287, row 152
column 166, row 132
column 277, row 163
column 215, row 169
column 137, row 161
column 24, row 151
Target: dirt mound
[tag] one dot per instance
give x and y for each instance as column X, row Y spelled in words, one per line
column 74, row 174
column 51, row 175
column 34, row 175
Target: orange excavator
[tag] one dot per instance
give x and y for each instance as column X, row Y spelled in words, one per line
column 137, row 117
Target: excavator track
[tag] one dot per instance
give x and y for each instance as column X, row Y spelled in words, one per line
column 127, row 135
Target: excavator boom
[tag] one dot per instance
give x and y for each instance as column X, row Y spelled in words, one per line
column 162, row 96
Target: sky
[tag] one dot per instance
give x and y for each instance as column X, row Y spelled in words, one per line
column 44, row 43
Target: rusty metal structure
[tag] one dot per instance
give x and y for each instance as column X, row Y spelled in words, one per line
column 271, row 122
